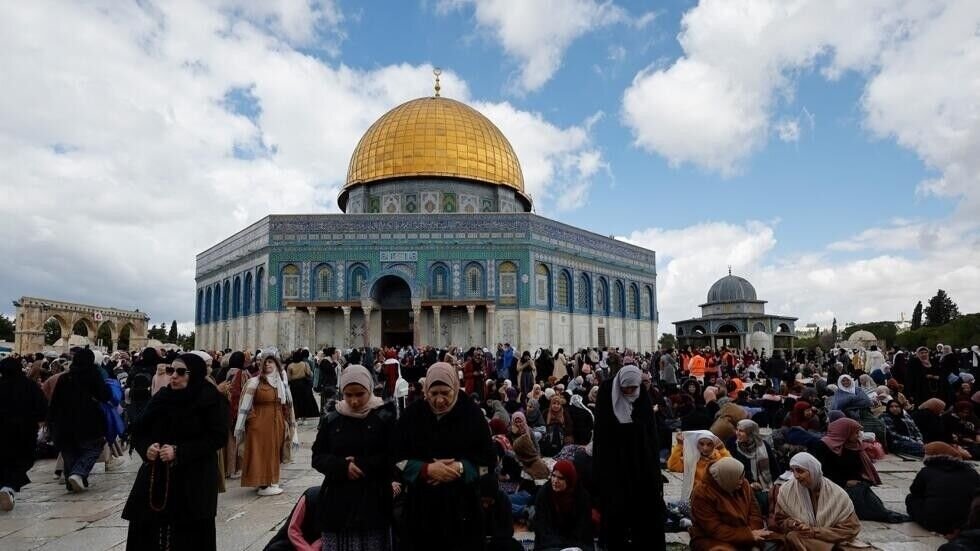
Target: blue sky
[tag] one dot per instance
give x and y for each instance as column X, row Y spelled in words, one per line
column 827, row 152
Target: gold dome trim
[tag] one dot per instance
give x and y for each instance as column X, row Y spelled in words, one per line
column 434, row 136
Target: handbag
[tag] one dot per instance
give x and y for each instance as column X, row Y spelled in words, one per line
column 401, row 385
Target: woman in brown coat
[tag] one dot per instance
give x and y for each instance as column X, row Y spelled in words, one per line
column 265, row 427
column 725, row 513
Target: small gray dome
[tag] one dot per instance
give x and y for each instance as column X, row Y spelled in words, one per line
column 731, row 289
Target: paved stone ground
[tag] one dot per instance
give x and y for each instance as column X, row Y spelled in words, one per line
column 47, row 518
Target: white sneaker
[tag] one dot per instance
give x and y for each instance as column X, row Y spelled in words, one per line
column 272, row 490
column 76, row 483
column 235, row 476
column 114, row 463
column 7, row 499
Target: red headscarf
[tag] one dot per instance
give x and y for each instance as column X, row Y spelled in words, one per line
column 564, row 501
column 796, row 418
column 837, row 440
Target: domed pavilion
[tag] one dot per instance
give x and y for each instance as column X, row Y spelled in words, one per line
column 733, row 316
column 437, row 245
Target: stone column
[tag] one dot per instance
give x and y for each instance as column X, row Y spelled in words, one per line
column 491, row 325
column 367, row 307
column 312, row 343
column 294, row 321
column 346, row 341
column 416, row 323
column 436, row 327
column 471, row 312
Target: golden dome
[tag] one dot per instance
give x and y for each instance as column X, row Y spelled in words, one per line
column 434, row 136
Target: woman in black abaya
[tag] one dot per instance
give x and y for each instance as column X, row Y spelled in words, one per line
column 175, row 496
column 626, row 459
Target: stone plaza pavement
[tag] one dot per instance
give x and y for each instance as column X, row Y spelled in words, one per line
column 47, row 518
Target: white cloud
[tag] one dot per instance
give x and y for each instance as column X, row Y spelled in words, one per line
column 119, row 130
column 538, row 33
column 788, row 130
column 714, row 105
column 815, row 287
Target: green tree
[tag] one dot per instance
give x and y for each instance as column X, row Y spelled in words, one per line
column 666, row 341
column 186, row 342
column 917, row 316
column 52, row 331
column 833, row 331
column 172, row 337
column 6, row 328
column 941, row 310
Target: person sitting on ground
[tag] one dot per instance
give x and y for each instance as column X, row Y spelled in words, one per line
column 693, row 452
column 726, row 420
column 562, row 512
column 964, row 427
column 844, row 460
column 967, row 539
column 812, row 511
column 758, row 458
column 901, row 433
column 939, row 497
column 725, row 514
column 803, row 416
column 498, row 524
column 928, row 417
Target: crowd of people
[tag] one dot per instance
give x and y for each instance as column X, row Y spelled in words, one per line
column 451, row 449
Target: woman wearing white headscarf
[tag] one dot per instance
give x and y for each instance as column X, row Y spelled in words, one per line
column 351, row 451
column 265, row 427
column 814, row 513
column 692, row 454
column 624, row 448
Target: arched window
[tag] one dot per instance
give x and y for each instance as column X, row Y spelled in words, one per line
column 474, row 279
column 217, row 302
column 632, row 301
column 358, row 276
column 617, row 298
column 324, row 282
column 602, row 297
column 207, row 305
column 440, row 281
column 564, row 296
column 646, row 305
column 226, row 300
column 259, row 284
column 542, row 285
column 583, row 293
column 508, row 279
column 290, row 281
column 247, row 295
column 199, row 311
column 236, row 302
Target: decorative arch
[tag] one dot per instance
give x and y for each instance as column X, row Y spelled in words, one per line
column 698, row 330
column 105, row 335
column 247, row 295
column 783, row 328
column 618, row 298
column 236, row 303
column 542, row 285
column 217, row 302
column 647, row 310
column 439, row 280
column 84, row 324
column 357, row 278
column 759, row 326
column 225, row 300
column 207, row 305
column 680, row 331
column 474, row 279
column 632, row 301
column 507, row 273
column 290, row 278
column 371, row 285
column 199, row 307
column 563, row 290
column 583, row 293
column 259, row 285
column 727, row 328
column 324, row 277
column 602, row 297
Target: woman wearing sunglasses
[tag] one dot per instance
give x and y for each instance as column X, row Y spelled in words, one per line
column 174, row 499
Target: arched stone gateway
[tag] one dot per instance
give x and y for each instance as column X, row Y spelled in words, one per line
column 98, row 321
column 393, row 295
